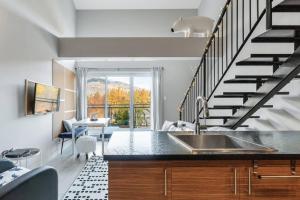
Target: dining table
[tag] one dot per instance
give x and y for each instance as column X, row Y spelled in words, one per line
column 100, row 123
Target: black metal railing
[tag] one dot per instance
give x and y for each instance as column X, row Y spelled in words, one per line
column 120, row 114
column 237, row 22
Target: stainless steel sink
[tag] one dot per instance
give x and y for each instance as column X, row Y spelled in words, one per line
column 217, row 143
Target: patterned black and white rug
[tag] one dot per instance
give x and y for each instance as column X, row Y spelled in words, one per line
column 92, row 182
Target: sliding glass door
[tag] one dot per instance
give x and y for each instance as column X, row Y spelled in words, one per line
column 96, row 96
column 142, row 101
column 123, row 97
column 118, row 101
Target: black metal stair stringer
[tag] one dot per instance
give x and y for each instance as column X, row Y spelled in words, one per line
column 287, row 71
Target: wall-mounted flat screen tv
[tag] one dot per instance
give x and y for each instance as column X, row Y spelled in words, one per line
column 41, row 98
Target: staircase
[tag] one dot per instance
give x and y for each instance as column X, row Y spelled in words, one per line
column 234, row 33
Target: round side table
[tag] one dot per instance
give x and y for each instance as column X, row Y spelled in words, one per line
column 18, row 155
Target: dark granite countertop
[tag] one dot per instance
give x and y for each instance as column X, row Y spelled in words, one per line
column 148, row 145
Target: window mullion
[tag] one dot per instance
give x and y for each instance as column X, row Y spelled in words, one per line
column 131, row 116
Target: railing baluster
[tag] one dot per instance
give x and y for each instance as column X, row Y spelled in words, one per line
column 218, row 56
column 185, row 111
column 201, row 80
column 214, row 58
column 226, row 50
column 250, row 14
column 197, row 89
column 243, row 18
column 222, row 46
column 208, row 71
column 192, row 105
column 194, row 97
column 269, row 14
column 189, row 107
column 231, row 25
column 237, row 25
column 211, row 71
column 192, row 101
column 204, row 76
column 257, row 9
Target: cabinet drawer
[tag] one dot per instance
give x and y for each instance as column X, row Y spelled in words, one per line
column 136, row 183
column 272, row 180
column 207, row 183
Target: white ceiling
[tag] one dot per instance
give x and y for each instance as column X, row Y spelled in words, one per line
column 135, row 4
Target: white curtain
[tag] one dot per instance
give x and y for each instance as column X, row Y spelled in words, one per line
column 81, row 97
column 157, row 98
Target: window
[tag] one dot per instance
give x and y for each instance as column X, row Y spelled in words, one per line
column 123, row 97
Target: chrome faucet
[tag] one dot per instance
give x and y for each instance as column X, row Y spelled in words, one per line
column 204, row 104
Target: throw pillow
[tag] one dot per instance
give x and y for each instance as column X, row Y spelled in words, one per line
column 12, row 174
column 166, row 126
column 68, row 124
column 187, row 125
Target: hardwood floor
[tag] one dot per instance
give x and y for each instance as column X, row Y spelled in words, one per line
column 69, row 168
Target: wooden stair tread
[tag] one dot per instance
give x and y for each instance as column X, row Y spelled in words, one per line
column 257, row 55
column 259, row 77
column 219, row 117
column 276, row 36
column 227, row 117
column 267, row 106
column 225, row 126
column 243, row 81
column 255, row 77
column 243, row 94
column 260, row 61
column 230, row 96
column 294, row 27
column 287, row 6
column 228, row 107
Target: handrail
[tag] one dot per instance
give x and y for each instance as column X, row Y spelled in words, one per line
column 207, row 45
column 219, row 53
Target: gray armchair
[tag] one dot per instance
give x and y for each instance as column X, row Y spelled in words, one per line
column 38, row 184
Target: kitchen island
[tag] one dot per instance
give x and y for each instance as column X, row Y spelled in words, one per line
column 150, row 165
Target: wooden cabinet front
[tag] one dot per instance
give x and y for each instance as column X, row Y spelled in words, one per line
column 136, row 182
column 272, row 181
column 204, row 183
column 203, row 180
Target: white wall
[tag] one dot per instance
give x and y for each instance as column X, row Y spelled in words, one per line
column 211, row 8
column 55, row 16
column 177, row 77
column 129, row 23
column 26, row 52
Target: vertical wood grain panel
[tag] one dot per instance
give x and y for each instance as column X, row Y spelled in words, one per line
column 135, row 181
column 69, row 79
column 70, row 115
column 57, row 123
column 69, row 101
column 203, row 183
column 65, row 80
